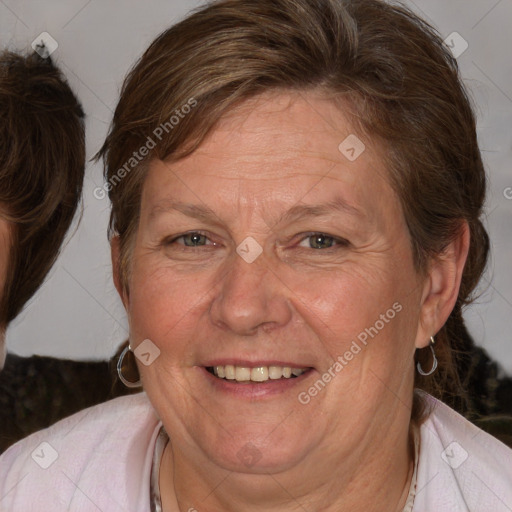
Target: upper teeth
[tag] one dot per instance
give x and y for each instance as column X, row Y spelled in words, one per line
column 258, row 374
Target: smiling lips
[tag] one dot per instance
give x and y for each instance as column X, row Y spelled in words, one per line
column 256, row 374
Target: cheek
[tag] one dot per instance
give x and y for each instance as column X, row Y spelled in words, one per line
column 164, row 305
column 370, row 310
column 343, row 299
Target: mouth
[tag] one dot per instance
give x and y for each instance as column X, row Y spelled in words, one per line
column 256, row 374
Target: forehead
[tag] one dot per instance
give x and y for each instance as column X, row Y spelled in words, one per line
column 277, row 149
column 277, row 127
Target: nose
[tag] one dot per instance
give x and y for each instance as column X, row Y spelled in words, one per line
column 251, row 298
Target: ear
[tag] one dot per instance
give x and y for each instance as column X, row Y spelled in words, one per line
column 115, row 254
column 441, row 287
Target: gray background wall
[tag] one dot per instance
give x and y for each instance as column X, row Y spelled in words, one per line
column 77, row 313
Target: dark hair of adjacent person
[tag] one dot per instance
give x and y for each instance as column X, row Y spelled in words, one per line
column 386, row 68
column 42, row 163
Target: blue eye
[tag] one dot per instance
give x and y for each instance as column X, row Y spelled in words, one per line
column 192, row 239
column 315, row 241
column 321, row 241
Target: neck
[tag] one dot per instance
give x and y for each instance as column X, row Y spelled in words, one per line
column 367, row 480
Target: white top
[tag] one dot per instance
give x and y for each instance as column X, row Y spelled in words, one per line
column 100, row 459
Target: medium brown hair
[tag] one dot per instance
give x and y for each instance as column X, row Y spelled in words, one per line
column 42, row 163
column 390, row 66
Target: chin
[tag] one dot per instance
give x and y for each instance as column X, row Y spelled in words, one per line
column 257, row 453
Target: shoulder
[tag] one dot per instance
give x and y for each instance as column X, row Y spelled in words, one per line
column 101, row 456
column 461, row 467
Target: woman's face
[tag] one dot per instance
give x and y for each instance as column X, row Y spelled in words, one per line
column 278, row 243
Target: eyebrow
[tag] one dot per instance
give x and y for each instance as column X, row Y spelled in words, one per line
column 337, row 205
column 195, row 211
column 297, row 212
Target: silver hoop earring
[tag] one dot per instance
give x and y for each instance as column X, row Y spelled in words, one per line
column 122, row 378
column 434, row 361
